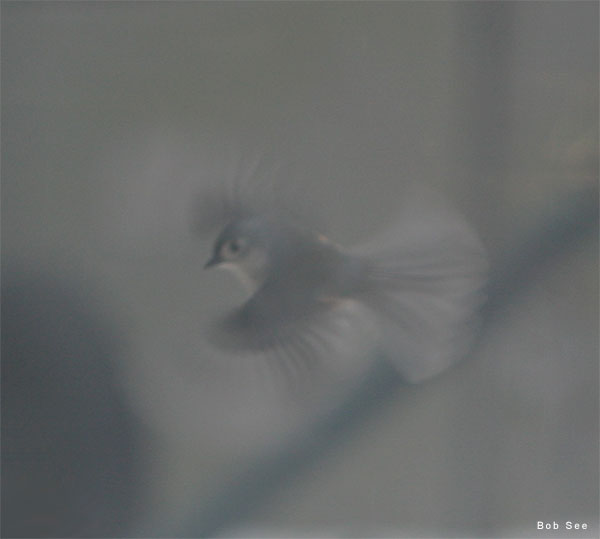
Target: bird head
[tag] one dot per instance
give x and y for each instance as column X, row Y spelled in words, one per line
column 243, row 247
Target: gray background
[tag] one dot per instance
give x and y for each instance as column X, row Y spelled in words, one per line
column 114, row 114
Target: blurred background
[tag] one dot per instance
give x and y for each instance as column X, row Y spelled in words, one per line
column 115, row 115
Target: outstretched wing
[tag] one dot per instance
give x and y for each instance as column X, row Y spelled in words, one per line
column 261, row 189
column 298, row 338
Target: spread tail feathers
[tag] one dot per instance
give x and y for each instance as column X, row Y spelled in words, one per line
column 425, row 286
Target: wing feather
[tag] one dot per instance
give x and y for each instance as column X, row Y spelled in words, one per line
column 302, row 341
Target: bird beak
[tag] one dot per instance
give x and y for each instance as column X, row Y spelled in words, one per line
column 212, row 262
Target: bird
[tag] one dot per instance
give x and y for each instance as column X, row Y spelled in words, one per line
column 416, row 289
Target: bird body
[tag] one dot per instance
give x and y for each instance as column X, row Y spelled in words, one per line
column 421, row 288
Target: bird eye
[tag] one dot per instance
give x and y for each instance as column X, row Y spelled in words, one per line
column 232, row 248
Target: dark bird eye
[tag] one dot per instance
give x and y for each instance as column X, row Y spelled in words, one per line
column 232, row 248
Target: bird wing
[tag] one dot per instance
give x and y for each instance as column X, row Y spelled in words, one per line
column 297, row 335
